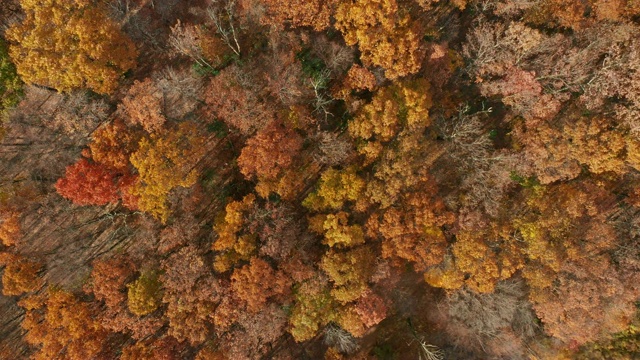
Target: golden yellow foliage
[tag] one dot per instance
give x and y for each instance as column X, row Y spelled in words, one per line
column 70, row 44
column 339, row 234
column 334, row 189
column 349, row 271
column 386, row 35
column 404, row 105
column 164, row 161
column 232, row 244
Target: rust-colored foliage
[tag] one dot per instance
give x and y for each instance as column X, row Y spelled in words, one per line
column 165, row 348
column 110, row 277
column 21, row 275
column 60, row 324
column 256, row 282
column 144, row 105
column 230, row 100
column 371, row 308
column 88, row 183
column 413, row 231
column 269, row 152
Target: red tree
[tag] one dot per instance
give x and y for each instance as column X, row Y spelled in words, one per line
column 87, row 183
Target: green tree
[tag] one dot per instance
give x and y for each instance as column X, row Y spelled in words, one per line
column 10, row 83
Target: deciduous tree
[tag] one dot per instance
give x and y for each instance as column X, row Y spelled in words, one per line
column 61, row 325
column 70, row 44
column 385, row 33
column 144, row 294
column 21, row 275
column 144, row 105
column 88, row 183
column 269, row 152
column 165, row 161
column 349, row 271
column 256, row 282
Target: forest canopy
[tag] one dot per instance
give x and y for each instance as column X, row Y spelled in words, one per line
column 338, row 179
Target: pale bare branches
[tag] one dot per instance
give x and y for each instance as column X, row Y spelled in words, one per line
column 224, row 23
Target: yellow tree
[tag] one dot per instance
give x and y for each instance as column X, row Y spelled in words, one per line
column 335, row 188
column 479, row 260
column 233, row 244
column 165, row 160
column 404, row 105
column 386, row 35
column 70, row 44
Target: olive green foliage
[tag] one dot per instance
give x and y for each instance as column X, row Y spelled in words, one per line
column 144, row 294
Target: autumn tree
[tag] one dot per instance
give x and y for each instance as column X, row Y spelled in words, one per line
column 143, row 296
column 144, row 105
column 113, row 144
column 60, row 324
column 313, row 309
column 70, row 44
column 403, row 105
column 195, row 42
column 480, row 259
column 349, row 271
column 278, row 228
column 269, row 152
column 385, row 33
column 255, row 334
column 316, row 14
column 10, row 230
column 165, row 160
column 229, row 98
column 413, row 231
column 566, row 243
column 21, row 275
column 233, row 243
column 109, row 285
column 191, row 295
column 256, row 282
column 10, row 84
column 337, row 231
column 88, row 183
column 497, row 323
column 334, row 189
column 165, row 348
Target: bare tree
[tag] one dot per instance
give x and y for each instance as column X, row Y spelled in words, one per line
column 224, row 23
column 340, row 339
